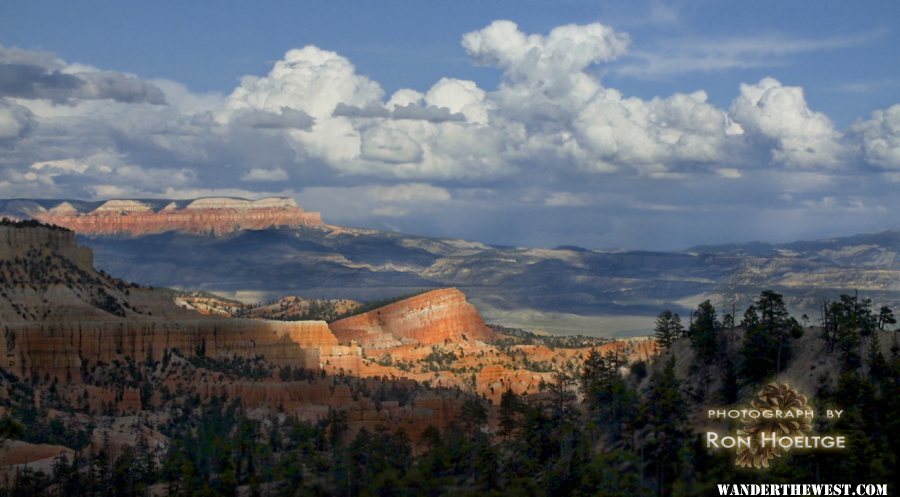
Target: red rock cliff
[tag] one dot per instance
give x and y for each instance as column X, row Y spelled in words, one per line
column 428, row 318
column 206, row 215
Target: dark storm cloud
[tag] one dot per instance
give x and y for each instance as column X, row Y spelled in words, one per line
column 15, row 121
column 31, row 81
column 119, row 87
column 38, row 75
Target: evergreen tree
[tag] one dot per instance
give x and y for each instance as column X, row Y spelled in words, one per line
column 606, row 394
column 704, row 333
column 511, row 409
column 677, row 326
column 751, row 317
column 728, row 321
column 766, row 348
column 886, row 318
column 10, row 428
column 664, row 415
column 844, row 325
column 666, row 333
column 878, row 366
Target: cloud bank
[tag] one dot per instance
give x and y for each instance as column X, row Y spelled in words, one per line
column 551, row 142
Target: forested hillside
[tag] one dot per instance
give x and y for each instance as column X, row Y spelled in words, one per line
column 605, row 428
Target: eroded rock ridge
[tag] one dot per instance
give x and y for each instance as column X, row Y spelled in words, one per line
column 212, row 215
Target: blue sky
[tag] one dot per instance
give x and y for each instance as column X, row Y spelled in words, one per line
column 595, row 135
column 403, row 44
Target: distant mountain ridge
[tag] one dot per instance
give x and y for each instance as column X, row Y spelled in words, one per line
column 59, row 316
column 518, row 286
column 126, row 217
column 888, row 238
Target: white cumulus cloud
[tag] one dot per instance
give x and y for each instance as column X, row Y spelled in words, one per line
column 389, row 145
column 879, row 137
column 308, row 79
column 552, row 133
column 802, row 137
column 566, row 50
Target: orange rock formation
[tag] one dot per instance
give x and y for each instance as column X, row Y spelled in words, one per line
column 429, row 318
column 56, row 328
column 217, row 216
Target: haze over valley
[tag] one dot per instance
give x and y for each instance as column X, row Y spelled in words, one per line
column 268, row 249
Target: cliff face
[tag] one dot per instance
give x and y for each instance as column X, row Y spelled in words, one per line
column 63, row 350
column 110, row 346
column 16, row 242
column 216, row 216
column 115, row 348
column 60, row 320
column 429, row 318
column 57, row 315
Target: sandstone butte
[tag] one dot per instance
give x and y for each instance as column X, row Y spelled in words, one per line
column 53, row 327
column 60, row 331
column 214, row 215
column 435, row 317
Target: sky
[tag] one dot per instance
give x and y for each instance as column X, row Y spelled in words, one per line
column 634, row 125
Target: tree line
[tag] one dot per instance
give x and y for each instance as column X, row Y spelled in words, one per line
column 609, row 427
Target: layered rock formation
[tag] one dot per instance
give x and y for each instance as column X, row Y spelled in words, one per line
column 215, row 215
column 109, row 350
column 433, row 317
column 58, row 315
column 60, row 320
column 62, row 350
column 122, row 358
column 17, row 241
column 571, row 289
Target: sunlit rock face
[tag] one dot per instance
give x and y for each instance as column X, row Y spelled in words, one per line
column 429, row 318
column 66, row 325
column 213, row 215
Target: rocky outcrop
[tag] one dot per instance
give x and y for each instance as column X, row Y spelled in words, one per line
column 107, row 348
column 62, row 350
column 17, row 241
column 16, row 456
column 111, row 348
column 428, row 318
column 57, row 316
column 290, row 308
column 293, row 307
column 215, row 215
